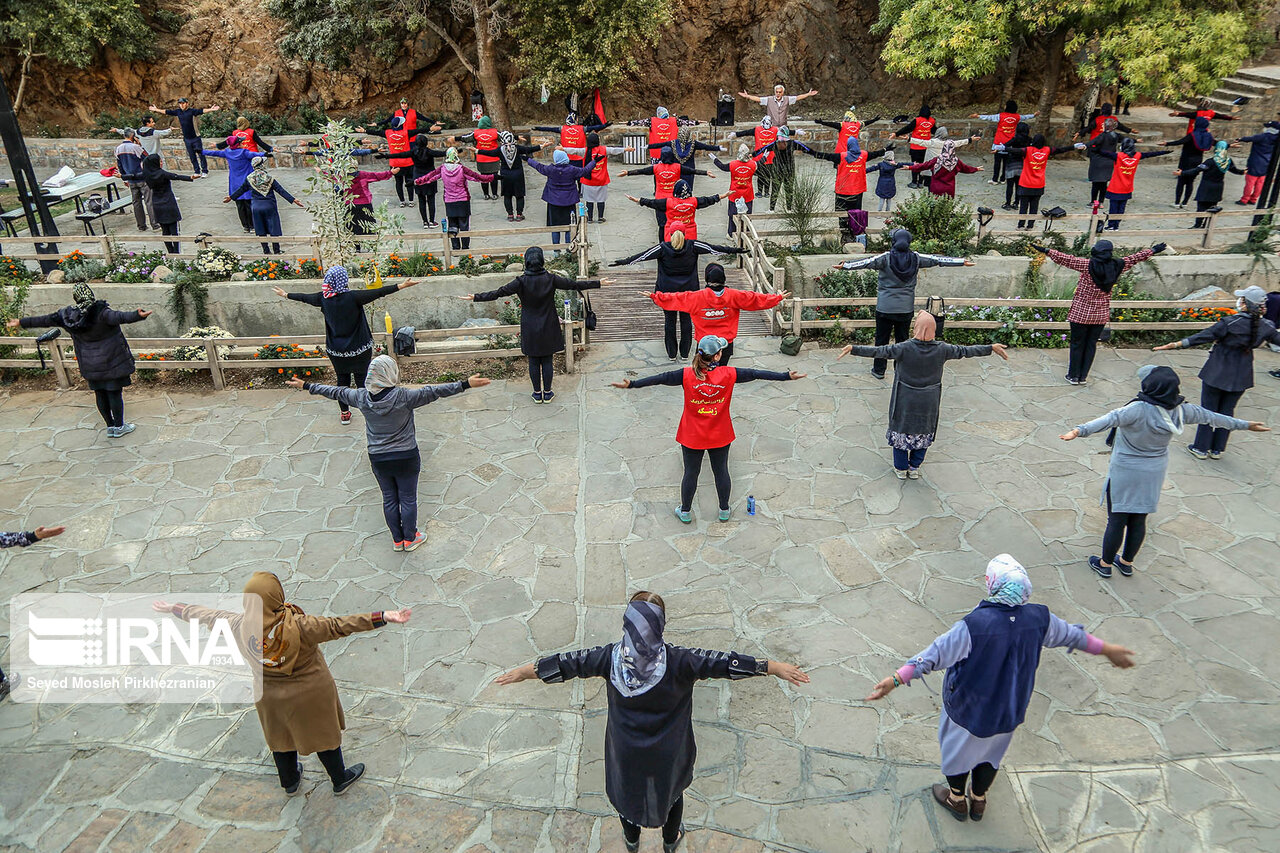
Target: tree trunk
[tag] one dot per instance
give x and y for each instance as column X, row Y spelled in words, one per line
column 27, row 56
column 1086, row 103
column 495, row 96
column 1010, row 73
column 1054, row 47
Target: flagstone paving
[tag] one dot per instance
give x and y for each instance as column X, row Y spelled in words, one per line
column 541, row 520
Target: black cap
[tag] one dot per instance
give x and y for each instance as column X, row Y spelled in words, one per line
column 182, row 100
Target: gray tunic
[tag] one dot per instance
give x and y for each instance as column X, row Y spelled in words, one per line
column 893, row 295
column 1140, row 455
column 917, row 380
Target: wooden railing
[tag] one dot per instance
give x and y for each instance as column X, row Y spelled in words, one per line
column 1001, row 224
column 238, row 358
column 764, row 276
column 797, row 323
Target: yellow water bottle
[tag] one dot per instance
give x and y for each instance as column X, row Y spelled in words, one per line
column 387, row 317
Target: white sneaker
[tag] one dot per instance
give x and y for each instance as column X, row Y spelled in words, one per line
column 124, row 429
column 913, row 473
column 902, row 475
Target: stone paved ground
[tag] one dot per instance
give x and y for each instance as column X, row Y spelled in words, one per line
column 542, row 520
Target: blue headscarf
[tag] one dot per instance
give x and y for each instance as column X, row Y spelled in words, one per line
column 335, row 281
column 1007, row 581
column 1200, row 134
column 640, row 657
column 853, row 150
column 560, row 158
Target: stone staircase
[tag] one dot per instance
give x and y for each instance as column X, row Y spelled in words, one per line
column 1260, row 84
column 625, row 313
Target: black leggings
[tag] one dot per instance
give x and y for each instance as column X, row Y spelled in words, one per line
column 983, row 775
column 998, row 167
column 1127, row 527
column 170, row 228
column 1098, row 191
column 1223, row 402
column 899, row 325
column 1010, row 190
column 1028, row 204
column 427, row 206
column 693, row 467
column 674, row 347
column 404, row 183
column 540, row 371
column 591, row 205
column 670, row 829
column 519, row 204
column 287, row 766
column 1084, row 346
column 1201, row 206
column 347, row 369
column 1183, row 189
column 111, row 406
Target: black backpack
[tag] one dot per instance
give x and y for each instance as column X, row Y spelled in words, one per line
column 403, row 341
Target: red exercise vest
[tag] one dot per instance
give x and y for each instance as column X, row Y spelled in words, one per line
column 763, row 138
column 847, row 129
column 924, row 130
column 665, row 176
column 486, row 138
column 681, row 216
column 398, row 148
column 851, row 178
column 1006, row 127
column 1191, row 122
column 1123, row 173
column 663, row 129
column 600, row 174
column 248, row 139
column 706, row 422
column 410, row 119
column 1034, row 164
column 573, row 136
column 1098, row 121
column 740, row 174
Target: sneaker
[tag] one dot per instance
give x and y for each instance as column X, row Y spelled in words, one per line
column 405, row 203
column 913, row 473
column 433, row 224
column 684, row 515
column 548, row 396
column 632, row 846
column 901, row 472
column 1095, row 563
column 397, row 545
column 344, row 417
column 537, row 396
column 602, row 220
column 296, row 788
column 113, row 432
column 671, row 848
column 1071, row 380
column 124, row 429
column 519, row 217
column 1275, row 373
column 416, row 543
column 354, row 772
column 724, row 514
column 1215, row 455
column 511, row 217
column 879, row 375
column 425, row 225
column 1199, row 454
column 1126, row 569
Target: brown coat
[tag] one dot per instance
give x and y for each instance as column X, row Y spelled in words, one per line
column 300, row 712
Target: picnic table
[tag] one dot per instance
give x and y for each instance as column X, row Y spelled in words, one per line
column 82, row 185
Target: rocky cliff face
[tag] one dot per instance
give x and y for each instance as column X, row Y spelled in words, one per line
column 228, row 53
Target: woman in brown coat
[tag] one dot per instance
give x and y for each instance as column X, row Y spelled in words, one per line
column 299, row 709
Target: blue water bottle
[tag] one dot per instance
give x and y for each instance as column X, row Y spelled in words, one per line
column 751, row 504
column 444, row 225
column 582, row 209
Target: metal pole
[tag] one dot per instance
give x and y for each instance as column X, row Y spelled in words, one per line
column 15, row 148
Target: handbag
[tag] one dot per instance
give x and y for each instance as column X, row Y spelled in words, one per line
column 590, row 317
column 790, row 345
column 940, row 314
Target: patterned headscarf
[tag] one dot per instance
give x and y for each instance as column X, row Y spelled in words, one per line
column 681, row 189
column 1110, row 125
column 947, row 156
column 507, row 147
column 684, row 134
column 851, row 114
column 383, row 373
column 335, row 281
column 451, row 155
column 640, row 657
column 571, row 118
column 83, row 296
column 1220, row 158
column 661, row 112
column 744, row 151
column 766, row 122
column 281, row 639
column 260, row 179
column 1007, row 581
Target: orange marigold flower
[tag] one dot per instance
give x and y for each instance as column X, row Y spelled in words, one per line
column 279, row 370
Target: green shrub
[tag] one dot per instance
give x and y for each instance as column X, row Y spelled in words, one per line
column 190, row 285
column 124, row 117
column 804, row 203
column 134, row 267
column 938, row 224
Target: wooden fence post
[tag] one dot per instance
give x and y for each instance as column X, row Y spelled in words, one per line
column 59, row 368
column 1208, row 230
column 796, row 310
column 1091, row 235
column 215, row 367
column 982, row 229
column 105, row 244
column 568, row 350
column 448, row 249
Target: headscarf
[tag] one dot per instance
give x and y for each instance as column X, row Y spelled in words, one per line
column 281, row 641
column 640, row 657
column 397, row 122
column 335, row 281
column 666, row 155
column 1200, row 134
column 1160, row 387
column 242, row 123
column 925, row 113
column 507, row 147
column 419, row 146
column 661, row 112
column 1039, row 141
column 1128, row 146
column 560, row 158
column 1021, row 136
column 260, row 179
column 451, row 155
column 233, row 141
column 941, row 134
column 714, row 276
column 684, row 133
column 593, row 141
column 1104, row 269
column 744, row 151
column 766, row 122
column 926, row 327
column 1271, row 127
column 383, row 373
column 82, row 296
column 903, row 263
column 947, row 159
column 1220, row 158
column 1110, row 124
column 1011, row 106
column 533, row 261
column 851, row 114
column 1106, row 110
column 484, row 123
column 151, row 168
column 888, row 156
column 1007, row 581
column 852, row 150
column 571, row 118
column 681, row 189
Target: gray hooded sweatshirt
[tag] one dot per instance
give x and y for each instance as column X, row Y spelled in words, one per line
column 388, row 420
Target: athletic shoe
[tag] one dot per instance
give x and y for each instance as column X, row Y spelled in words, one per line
column 405, row 203
column 913, row 473
column 1215, row 455
column 1071, row 380
column 1275, row 373
column 724, row 514
column 1197, row 453
column 416, row 542
column 1243, row 203
column 296, row 788
column 548, row 396
column 632, row 846
column 433, row 224
column 684, row 515
column 425, row 225
column 993, row 182
column 1095, row 563
column 590, row 220
column 511, row 217
column 877, row 375
column 354, row 772
column 519, row 217
column 537, row 396
column 397, row 545
column 901, row 472
column 113, row 432
column 601, row 220
column 124, row 429
column 1126, row 569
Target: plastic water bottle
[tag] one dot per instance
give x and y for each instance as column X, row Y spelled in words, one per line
column 567, row 315
column 444, row 225
column 387, row 318
column 582, row 209
column 751, row 504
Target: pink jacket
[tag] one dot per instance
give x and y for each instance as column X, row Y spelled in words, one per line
column 359, row 189
column 454, row 176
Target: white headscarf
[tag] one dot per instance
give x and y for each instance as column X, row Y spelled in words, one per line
column 1007, row 581
column 383, row 373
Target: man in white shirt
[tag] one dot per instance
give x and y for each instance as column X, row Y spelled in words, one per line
column 777, row 106
column 148, row 136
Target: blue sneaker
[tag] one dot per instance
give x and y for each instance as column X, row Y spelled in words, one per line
column 724, row 514
column 684, row 515
column 1095, row 563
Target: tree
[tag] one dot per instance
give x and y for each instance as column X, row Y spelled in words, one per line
column 329, row 202
column 72, row 32
column 1165, row 49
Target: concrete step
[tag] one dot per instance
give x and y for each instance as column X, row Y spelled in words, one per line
column 1246, row 85
column 1231, row 94
column 1267, row 75
column 1221, row 104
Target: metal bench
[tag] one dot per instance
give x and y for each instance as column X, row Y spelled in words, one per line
column 11, row 216
column 87, row 218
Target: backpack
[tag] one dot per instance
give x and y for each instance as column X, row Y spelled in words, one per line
column 790, row 345
column 939, row 314
column 857, row 222
column 403, row 341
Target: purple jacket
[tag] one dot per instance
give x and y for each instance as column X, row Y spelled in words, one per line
column 454, row 180
column 562, row 181
column 359, row 190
